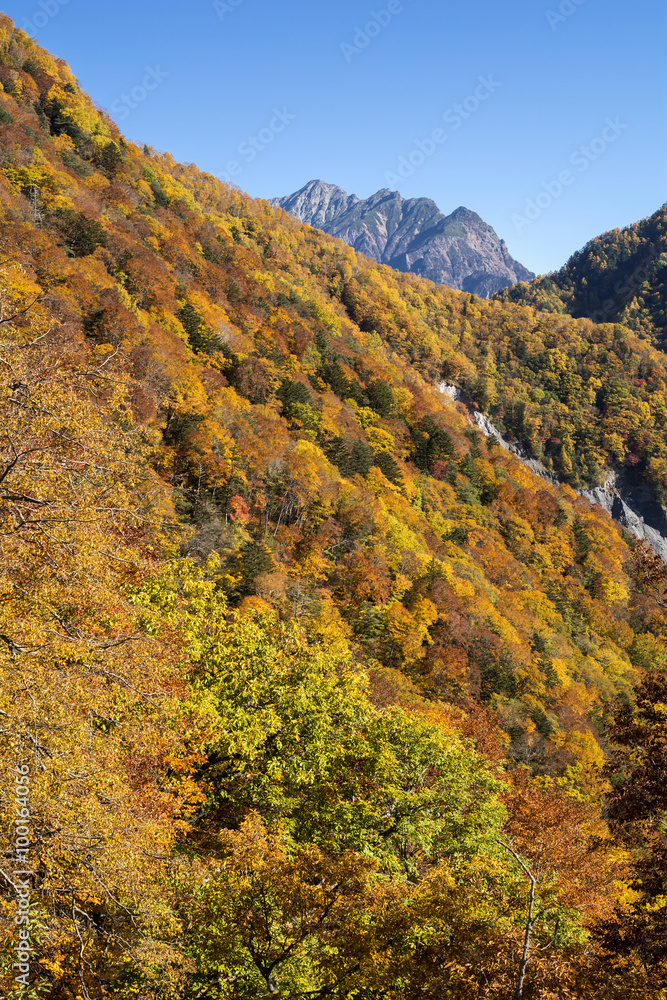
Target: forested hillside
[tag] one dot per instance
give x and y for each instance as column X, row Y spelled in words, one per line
column 618, row 277
column 320, row 693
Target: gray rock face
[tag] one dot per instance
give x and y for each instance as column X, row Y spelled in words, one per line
column 459, row 250
column 635, row 508
column 632, row 506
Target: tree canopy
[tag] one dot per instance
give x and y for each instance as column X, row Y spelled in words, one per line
column 320, row 694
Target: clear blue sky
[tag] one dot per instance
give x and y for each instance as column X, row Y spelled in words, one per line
column 556, row 71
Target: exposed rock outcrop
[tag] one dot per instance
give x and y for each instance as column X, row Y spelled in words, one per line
column 632, row 506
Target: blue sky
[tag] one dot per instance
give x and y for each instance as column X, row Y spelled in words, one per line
column 547, row 117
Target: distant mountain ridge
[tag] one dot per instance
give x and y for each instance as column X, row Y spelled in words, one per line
column 618, row 277
column 412, row 235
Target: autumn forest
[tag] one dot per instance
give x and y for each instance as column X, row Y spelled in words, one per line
column 320, row 692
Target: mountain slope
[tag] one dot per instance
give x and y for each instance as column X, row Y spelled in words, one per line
column 459, row 250
column 277, row 625
column 619, row 277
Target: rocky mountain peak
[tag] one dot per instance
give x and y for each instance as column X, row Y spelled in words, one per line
column 459, row 250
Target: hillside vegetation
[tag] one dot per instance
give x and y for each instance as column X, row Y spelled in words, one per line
column 321, row 694
column 618, row 277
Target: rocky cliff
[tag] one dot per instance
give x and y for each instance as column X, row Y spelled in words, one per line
column 632, row 505
column 459, row 250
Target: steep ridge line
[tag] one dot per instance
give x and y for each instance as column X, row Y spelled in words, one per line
column 459, row 250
